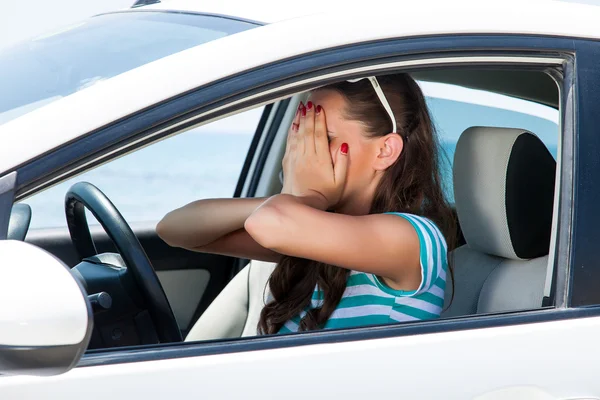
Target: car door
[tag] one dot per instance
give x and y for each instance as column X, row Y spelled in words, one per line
column 543, row 353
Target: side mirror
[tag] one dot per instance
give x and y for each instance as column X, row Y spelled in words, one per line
column 45, row 317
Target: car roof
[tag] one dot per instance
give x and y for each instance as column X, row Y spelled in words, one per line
column 42, row 129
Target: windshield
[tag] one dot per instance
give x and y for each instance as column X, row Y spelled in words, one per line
column 37, row 72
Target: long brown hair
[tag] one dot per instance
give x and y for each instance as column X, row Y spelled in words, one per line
column 412, row 184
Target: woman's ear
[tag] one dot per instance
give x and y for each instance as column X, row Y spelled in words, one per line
column 389, row 149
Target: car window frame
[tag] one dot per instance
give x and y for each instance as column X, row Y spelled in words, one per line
column 295, row 75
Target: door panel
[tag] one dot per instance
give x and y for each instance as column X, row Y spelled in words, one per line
column 191, row 280
column 184, row 289
column 556, row 359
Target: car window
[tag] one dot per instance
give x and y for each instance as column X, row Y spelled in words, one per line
column 146, row 184
column 52, row 66
column 454, row 109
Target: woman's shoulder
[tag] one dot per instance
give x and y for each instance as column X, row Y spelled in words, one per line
column 432, row 243
column 422, row 224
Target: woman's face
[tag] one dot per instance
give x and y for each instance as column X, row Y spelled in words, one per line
column 362, row 152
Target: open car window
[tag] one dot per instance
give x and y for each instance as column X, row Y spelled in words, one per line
column 203, row 162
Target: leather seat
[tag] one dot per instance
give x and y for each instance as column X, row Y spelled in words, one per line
column 236, row 310
column 503, row 189
column 504, row 194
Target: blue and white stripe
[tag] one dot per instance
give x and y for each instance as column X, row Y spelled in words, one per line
column 367, row 300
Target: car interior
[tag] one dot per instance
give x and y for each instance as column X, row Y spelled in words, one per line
column 145, row 292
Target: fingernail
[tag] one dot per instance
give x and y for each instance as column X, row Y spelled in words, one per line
column 300, row 105
column 319, row 108
column 303, row 111
column 309, row 105
column 344, row 148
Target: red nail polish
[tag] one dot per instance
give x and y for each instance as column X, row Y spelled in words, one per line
column 344, row 148
column 300, row 106
column 309, row 105
column 303, row 111
column 319, row 108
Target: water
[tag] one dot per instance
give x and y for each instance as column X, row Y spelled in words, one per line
column 145, row 185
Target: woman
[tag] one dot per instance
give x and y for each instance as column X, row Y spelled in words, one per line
column 359, row 230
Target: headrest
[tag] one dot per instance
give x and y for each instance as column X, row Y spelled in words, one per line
column 504, row 191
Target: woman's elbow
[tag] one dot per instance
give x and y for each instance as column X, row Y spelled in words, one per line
column 164, row 230
column 265, row 226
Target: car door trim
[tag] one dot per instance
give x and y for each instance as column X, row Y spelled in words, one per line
column 7, row 194
column 421, row 62
column 584, row 271
column 268, row 342
column 558, row 276
column 258, row 133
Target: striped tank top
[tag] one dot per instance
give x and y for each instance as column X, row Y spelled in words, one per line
column 367, row 300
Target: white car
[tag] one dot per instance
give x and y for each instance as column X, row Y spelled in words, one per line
column 164, row 103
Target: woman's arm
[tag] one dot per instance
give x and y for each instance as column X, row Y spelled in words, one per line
column 385, row 245
column 215, row 226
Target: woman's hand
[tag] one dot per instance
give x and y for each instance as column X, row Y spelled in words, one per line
column 308, row 169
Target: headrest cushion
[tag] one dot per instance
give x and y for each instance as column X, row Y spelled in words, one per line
column 504, row 191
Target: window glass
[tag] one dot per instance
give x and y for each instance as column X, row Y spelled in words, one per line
column 454, row 109
column 49, row 67
column 146, row 184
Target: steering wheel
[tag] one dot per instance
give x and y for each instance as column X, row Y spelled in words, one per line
column 85, row 195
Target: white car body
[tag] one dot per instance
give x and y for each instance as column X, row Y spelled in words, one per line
column 550, row 359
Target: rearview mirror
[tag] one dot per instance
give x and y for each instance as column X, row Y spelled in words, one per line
column 45, row 317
